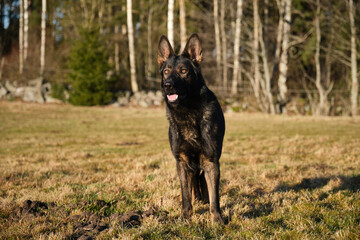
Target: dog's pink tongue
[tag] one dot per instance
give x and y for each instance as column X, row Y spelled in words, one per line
column 172, row 97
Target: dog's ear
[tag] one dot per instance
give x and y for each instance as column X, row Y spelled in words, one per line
column 193, row 49
column 164, row 50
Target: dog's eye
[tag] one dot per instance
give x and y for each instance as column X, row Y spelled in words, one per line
column 166, row 72
column 183, row 70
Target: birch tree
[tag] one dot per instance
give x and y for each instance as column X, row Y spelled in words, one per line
column 170, row 22
column 354, row 80
column 283, row 64
column 265, row 79
column 149, row 37
column 237, row 47
column 217, row 41
column 255, row 82
column 117, row 50
column 134, row 85
column 323, row 91
column 279, row 36
column 317, row 58
column 21, row 37
column 26, row 28
column 182, row 24
column 223, row 45
column 43, row 37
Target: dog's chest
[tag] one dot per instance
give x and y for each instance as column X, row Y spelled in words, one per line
column 188, row 129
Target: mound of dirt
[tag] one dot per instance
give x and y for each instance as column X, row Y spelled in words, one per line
column 86, row 225
column 30, row 208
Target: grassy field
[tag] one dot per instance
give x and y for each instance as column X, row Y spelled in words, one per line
column 91, row 172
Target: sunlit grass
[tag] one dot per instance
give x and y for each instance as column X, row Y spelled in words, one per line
column 281, row 177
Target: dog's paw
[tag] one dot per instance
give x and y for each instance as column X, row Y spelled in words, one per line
column 216, row 218
column 186, row 214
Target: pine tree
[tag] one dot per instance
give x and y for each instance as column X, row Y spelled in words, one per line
column 89, row 65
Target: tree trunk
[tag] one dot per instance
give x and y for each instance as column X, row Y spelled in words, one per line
column 224, row 45
column 328, row 83
column 266, row 20
column 267, row 84
column 283, row 64
column 182, row 24
column 354, row 80
column 279, row 36
column 149, row 29
column 1, row 66
column 237, row 47
column 86, row 12
column 43, row 37
column 134, row 85
column 255, row 50
column 101, row 15
column 21, row 37
column 117, row 50
column 217, row 42
column 26, row 28
column 322, row 101
column 170, row 22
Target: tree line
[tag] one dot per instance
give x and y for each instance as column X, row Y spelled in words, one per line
column 272, row 52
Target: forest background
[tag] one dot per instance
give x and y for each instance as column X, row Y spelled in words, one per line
column 278, row 56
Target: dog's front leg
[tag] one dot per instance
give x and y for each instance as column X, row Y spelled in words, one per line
column 212, row 177
column 185, row 182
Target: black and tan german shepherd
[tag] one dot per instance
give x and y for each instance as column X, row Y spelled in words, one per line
column 197, row 125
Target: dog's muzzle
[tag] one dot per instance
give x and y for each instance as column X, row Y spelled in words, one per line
column 170, row 91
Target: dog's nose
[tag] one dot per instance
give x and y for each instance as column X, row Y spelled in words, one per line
column 168, row 86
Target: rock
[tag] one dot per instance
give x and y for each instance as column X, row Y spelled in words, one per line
column 19, row 92
column 3, row 91
column 10, row 87
column 114, row 104
column 137, row 96
column 33, row 94
column 159, row 99
column 36, row 91
column 49, row 99
column 46, row 88
column 143, row 103
column 151, row 95
column 141, row 98
column 159, row 94
column 157, row 102
column 67, row 95
column 123, row 101
column 37, row 82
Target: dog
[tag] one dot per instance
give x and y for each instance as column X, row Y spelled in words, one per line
column 196, row 125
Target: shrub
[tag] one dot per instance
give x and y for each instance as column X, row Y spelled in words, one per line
column 89, row 64
column 58, row 91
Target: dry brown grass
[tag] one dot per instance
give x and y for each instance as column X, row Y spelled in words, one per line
column 281, row 177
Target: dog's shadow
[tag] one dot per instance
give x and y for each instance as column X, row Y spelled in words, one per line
column 351, row 183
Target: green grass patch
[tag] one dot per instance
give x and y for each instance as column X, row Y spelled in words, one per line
column 281, row 177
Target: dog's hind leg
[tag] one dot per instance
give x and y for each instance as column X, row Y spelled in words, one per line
column 195, row 184
column 203, row 188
